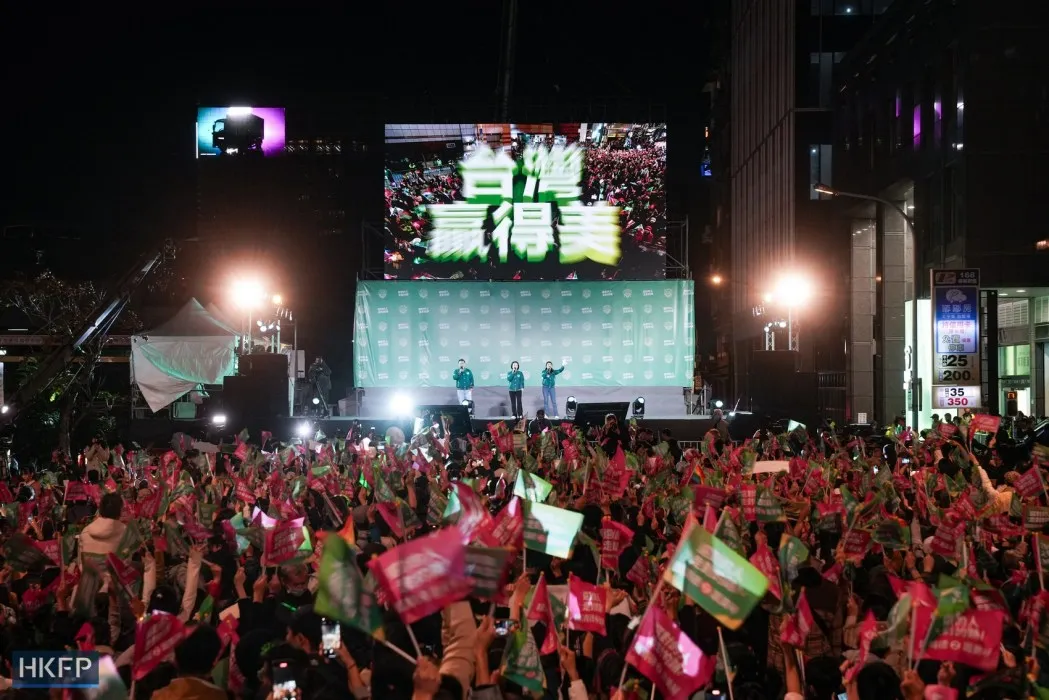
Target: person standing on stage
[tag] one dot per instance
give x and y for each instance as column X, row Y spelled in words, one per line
column 515, row 378
column 464, row 382
column 549, row 394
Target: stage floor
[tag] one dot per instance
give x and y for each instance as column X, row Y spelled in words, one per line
column 495, row 400
column 158, row 431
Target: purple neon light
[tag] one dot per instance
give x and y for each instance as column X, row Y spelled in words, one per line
column 917, row 122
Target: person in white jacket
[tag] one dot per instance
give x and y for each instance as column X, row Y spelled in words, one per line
column 104, row 533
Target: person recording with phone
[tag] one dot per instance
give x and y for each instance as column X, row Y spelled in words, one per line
column 515, row 378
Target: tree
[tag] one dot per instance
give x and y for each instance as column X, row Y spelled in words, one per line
column 57, row 308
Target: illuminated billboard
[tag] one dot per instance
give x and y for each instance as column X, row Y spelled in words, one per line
column 229, row 131
column 525, row 201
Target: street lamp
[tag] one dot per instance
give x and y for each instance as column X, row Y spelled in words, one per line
column 915, row 382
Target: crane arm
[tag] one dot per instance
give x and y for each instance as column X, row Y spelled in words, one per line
column 94, row 326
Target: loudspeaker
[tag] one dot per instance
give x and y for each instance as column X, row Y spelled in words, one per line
column 460, row 417
column 588, row 414
column 255, row 396
column 267, row 364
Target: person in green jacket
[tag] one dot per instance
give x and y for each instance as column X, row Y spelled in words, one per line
column 549, row 394
column 464, row 382
column 515, row 378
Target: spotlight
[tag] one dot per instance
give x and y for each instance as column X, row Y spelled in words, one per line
column 782, row 324
column 316, row 401
column 401, row 405
column 570, row 408
column 639, row 407
column 719, row 404
column 469, row 406
column 303, row 429
column 219, row 419
column 5, row 408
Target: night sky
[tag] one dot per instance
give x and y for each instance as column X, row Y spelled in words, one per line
column 100, row 105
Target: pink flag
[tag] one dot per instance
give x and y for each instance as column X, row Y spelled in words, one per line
column 586, row 606
column 1029, row 483
column 940, row 692
column 615, row 538
column 155, row 642
column 283, row 542
column 424, row 575
column 391, row 513
column 764, row 560
column 972, row 638
column 540, row 611
column 667, row 657
column 867, row 633
column 474, row 520
column 508, row 529
column 749, row 498
column 797, row 628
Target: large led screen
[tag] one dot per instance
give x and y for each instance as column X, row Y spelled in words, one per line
column 525, row 201
column 239, row 131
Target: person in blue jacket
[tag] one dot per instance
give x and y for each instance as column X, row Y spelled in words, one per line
column 515, row 378
column 464, row 382
column 549, row 394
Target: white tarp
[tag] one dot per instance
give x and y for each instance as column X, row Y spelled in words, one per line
column 192, row 348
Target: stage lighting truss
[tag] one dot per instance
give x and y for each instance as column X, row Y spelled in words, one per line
column 570, row 408
column 639, row 407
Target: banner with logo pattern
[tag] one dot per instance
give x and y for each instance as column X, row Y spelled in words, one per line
column 412, row 334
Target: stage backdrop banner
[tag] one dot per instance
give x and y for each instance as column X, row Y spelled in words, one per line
column 412, row 334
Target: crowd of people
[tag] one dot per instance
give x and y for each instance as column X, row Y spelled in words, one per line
column 632, row 178
column 552, row 563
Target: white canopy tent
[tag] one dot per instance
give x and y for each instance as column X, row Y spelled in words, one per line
column 191, row 348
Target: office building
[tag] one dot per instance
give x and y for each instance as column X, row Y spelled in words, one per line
column 775, row 92
column 940, row 111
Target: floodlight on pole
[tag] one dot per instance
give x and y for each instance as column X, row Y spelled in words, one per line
column 248, row 293
column 915, row 380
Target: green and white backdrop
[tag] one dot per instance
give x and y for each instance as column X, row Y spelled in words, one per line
column 619, row 340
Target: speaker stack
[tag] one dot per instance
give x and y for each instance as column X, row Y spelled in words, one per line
column 260, row 391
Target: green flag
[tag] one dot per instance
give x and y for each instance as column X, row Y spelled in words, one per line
column 343, row 594
column 531, row 487
column 792, row 554
column 521, row 663
column 727, row 532
column 550, row 530
column 768, row 508
column 952, row 597
column 892, row 533
column 132, row 539
column 897, row 625
column 720, row 581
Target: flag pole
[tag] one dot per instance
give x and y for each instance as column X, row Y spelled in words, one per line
column 415, row 642
column 728, row 664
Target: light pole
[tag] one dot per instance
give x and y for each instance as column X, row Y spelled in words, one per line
column 915, row 382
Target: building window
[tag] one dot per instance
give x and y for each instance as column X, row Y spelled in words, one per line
column 846, row 8
column 820, row 169
column 821, row 76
